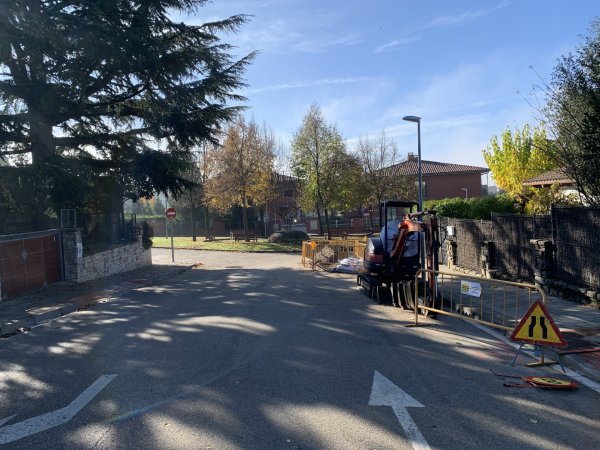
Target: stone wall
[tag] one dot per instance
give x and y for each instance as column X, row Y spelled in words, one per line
column 80, row 268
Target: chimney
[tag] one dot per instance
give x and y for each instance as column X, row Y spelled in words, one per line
column 412, row 157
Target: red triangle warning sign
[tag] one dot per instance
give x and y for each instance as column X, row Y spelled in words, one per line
column 537, row 328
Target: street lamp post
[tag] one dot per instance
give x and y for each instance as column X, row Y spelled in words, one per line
column 420, row 200
column 420, row 170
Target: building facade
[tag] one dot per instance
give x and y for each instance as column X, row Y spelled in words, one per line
column 443, row 180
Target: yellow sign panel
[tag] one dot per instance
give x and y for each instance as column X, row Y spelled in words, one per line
column 538, row 328
column 313, row 244
column 550, row 382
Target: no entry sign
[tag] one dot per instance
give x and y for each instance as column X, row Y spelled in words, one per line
column 170, row 213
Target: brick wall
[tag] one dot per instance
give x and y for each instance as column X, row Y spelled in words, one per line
column 451, row 185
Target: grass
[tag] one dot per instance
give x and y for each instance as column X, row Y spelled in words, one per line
column 225, row 244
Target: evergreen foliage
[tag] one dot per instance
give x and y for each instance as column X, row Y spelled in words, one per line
column 573, row 112
column 147, row 235
column 94, row 88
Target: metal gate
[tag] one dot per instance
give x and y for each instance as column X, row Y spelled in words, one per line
column 29, row 261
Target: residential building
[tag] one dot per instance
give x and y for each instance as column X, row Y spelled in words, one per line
column 443, row 180
column 549, row 178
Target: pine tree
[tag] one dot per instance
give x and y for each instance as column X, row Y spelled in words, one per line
column 114, row 88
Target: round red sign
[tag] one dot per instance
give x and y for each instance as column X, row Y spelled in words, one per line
column 170, row 213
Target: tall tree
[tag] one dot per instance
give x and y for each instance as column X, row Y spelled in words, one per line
column 87, row 87
column 573, row 113
column 242, row 169
column 322, row 165
column 378, row 156
column 522, row 154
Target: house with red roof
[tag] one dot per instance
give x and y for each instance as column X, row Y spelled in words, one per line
column 549, row 178
column 443, row 180
column 559, row 177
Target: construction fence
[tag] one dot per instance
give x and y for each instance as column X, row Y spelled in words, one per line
column 496, row 303
column 322, row 253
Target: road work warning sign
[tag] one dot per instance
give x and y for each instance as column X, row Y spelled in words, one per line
column 537, row 328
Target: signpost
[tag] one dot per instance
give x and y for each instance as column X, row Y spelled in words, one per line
column 170, row 214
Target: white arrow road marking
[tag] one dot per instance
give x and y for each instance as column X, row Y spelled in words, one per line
column 11, row 433
column 386, row 393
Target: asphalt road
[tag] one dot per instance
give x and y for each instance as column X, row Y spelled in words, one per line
column 250, row 351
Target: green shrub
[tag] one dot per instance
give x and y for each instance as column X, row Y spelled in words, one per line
column 147, row 235
column 288, row 237
column 473, row 208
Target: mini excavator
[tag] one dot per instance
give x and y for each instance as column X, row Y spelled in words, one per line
column 408, row 239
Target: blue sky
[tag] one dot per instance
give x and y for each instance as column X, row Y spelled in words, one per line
column 463, row 66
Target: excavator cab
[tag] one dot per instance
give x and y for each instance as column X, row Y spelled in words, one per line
column 407, row 242
column 377, row 254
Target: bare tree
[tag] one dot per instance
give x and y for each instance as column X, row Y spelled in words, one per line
column 379, row 157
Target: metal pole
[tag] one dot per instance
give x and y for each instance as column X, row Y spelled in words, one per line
column 421, row 235
column 172, row 246
column 420, row 166
column 166, row 218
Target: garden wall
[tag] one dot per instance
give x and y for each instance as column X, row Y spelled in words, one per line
column 79, row 268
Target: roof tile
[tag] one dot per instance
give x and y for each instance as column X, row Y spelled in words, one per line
column 411, row 167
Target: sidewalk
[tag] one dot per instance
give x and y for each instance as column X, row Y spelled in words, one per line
column 579, row 324
column 62, row 298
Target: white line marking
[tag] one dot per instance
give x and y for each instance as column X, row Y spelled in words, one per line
column 33, row 425
column 386, row 393
column 3, row 421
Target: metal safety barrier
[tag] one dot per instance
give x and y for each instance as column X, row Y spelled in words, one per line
column 495, row 303
column 320, row 252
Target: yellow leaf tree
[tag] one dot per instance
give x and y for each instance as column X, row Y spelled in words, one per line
column 520, row 155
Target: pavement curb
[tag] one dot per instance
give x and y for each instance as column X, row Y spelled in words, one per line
column 43, row 314
column 580, row 367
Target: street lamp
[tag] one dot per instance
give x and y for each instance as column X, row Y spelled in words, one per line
column 420, row 199
column 466, row 192
column 418, row 121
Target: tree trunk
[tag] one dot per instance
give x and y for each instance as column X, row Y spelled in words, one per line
column 245, row 222
column 42, row 140
column 319, row 220
column 327, row 224
column 262, row 220
column 206, row 221
column 193, row 223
